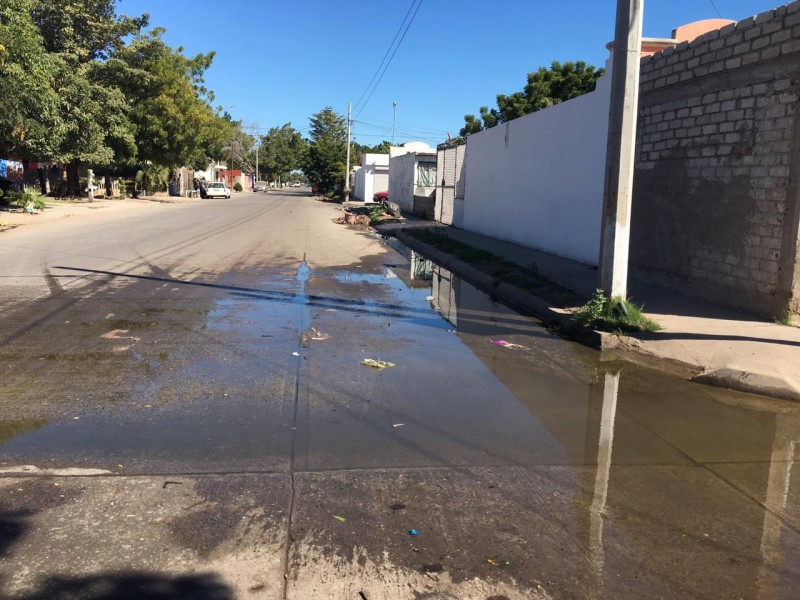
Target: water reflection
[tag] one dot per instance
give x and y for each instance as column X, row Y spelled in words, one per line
column 692, row 478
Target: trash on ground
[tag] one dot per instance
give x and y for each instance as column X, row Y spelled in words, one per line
column 318, row 335
column 498, row 563
column 295, row 354
column 399, row 425
column 340, row 519
column 435, row 568
column 377, row 364
column 508, row 345
column 412, row 532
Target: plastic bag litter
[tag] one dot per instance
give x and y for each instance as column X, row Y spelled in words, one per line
column 508, row 345
column 376, row 364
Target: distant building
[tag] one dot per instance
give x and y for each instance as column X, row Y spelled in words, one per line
column 372, row 177
column 412, row 178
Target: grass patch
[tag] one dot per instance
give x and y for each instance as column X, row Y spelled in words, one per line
column 785, row 319
column 500, row 269
column 614, row 315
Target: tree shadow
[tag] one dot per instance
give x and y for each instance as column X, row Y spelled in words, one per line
column 129, row 586
column 12, row 526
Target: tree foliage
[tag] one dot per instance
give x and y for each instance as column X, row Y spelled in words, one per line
column 170, row 105
column 239, row 148
column 545, row 87
column 80, row 84
column 281, row 151
column 30, row 119
column 325, row 162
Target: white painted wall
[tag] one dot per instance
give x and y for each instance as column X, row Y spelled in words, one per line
column 359, row 176
column 371, row 177
column 401, row 180
column 538, row 180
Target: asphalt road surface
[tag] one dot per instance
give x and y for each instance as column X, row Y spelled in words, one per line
column 184, row 413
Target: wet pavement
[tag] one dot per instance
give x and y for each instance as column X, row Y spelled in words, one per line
column 229, row 417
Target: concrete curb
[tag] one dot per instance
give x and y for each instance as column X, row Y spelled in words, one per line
column 510, row 294
column 611, row 346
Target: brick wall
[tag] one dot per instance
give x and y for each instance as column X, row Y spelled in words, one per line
column 716, row 197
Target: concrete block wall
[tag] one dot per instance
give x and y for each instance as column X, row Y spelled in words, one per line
column 716, row 197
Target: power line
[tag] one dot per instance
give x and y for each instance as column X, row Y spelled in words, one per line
column 363, row 106
column 408, row 12
column 406, row 128
column 715, row 8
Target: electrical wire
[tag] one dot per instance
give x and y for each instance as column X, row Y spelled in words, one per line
column 715, row 8
column 406, row 128
column 374, row 87
column 374, row 75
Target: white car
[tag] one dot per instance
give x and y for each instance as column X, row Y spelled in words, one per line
column 296, row 184
column 217, row 190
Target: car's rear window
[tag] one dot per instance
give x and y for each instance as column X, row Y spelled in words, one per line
column 215, row 185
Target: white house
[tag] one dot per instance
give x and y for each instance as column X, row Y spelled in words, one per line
column 372, row 177
column 412, row 177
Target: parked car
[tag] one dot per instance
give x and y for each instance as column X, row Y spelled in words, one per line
column 260, row 186
column 217, row 190
column 381, row 197
column 296, row 184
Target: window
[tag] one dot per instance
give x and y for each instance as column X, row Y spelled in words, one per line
column 426, row 174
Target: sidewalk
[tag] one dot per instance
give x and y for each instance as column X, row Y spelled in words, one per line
column 63, row 209
column 699, row 340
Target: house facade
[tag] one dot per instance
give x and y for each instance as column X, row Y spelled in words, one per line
column 412, row 178
column 372, row 177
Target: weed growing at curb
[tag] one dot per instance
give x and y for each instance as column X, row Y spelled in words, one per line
column 614, row 315
column 375, row 212
column 500, row 269
column 785, row 319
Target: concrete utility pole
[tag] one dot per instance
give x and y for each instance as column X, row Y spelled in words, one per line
column 90, row 184
column 394, row 118
column 620, row 153
column 347, row 174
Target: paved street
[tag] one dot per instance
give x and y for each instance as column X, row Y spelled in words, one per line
column 184, row 414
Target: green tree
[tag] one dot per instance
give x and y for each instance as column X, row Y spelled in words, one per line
column 170, row 105
column 30, row 119
column 281, row 151
column 84, row 31
column 325, row 162
column 545, row 87
column 82, row 34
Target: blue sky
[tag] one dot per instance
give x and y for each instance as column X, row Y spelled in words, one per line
column 281, row 61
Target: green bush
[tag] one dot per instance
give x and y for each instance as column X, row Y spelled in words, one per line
column 615, row 315
column 26, row 200
column 237, row 187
